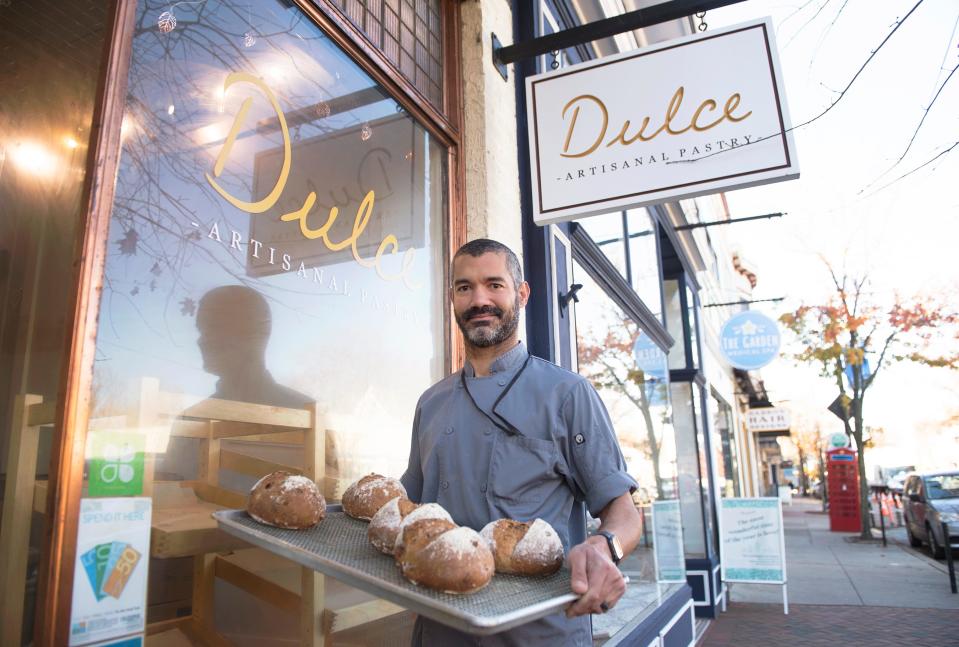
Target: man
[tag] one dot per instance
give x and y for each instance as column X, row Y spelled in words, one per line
column 515, row 436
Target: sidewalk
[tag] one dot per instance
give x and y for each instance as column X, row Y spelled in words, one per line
column 830, row 581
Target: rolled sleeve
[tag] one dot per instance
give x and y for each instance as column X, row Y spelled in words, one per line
column 596, row 462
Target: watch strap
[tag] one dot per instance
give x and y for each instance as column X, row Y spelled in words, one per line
column 612, row 546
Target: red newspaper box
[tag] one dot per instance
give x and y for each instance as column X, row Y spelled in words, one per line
column 842, row 487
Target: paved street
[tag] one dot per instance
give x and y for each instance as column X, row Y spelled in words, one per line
column 843, row 592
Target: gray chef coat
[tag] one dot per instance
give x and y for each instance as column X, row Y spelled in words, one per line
column 552, row 455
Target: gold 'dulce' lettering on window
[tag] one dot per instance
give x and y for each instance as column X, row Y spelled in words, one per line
column 363, row 213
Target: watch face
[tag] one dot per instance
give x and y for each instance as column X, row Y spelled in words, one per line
column 618, row 548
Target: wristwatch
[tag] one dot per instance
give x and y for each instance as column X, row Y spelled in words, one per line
column 615, row 550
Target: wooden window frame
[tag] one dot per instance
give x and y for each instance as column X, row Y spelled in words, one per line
column 55, row 593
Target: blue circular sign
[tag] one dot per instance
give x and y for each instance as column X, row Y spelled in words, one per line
column 750, row 340
column 650, row 358
column 652, row 361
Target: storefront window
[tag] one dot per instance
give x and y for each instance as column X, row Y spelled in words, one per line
column 693, row 474
column 682, row 324
column 692, row 321
column 630, row 374
column 607, row 232
column 672, row 300
column 273, row 296
column 727, row 452
column 644, row 260
column 51, row 53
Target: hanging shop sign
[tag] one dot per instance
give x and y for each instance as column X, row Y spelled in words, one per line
column 670, row 560
column 767, row 419
column 691, row 116
column 110, row 576
column 749, row 340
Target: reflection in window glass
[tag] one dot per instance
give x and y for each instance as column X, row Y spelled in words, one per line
column 606, row 231
column 727, row 452
column 702, row 428
column 277, row 228
column 693, row 483
column 672, row 300
column 48, row 75
column 644, row 260
column 630, row 374
column 693, row 319
column 942, row 486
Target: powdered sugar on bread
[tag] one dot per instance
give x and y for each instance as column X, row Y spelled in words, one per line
column 539, row 542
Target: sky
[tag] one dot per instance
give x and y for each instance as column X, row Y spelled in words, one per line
column 846, row 207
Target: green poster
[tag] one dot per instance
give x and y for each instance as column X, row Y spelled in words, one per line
column 116, row 463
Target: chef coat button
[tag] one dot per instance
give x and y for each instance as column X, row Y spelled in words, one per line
column 445, row 485
column 449, row 430
column 502, row 382
column 483, row 487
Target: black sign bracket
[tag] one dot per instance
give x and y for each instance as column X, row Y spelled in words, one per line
column 629, row 21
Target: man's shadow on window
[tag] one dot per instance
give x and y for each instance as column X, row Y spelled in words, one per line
column 234, row 324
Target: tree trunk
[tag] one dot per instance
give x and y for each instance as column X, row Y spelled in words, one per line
column 653, row 443
column 803, row 479
column 822, row 477
column 866, row 520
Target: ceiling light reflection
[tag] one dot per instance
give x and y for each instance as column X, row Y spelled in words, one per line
column 35, row 159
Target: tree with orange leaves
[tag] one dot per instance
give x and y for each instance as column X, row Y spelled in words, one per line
column 609, row 364
column 838, row 335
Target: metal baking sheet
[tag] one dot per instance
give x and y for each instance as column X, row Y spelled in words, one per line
column 338, row 547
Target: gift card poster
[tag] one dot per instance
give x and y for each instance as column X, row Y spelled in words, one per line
column 110, row 576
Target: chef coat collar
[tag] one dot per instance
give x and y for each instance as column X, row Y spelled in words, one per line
column 508, row 361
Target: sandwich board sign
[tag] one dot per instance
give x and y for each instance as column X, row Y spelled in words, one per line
column 752, row 542
column 668, row 553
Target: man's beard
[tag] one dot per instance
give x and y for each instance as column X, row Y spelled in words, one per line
column 493, row 333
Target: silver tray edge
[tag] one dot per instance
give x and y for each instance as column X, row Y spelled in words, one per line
column 407, row 598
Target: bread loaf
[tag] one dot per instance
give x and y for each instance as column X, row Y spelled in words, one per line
column 365, row 497
column 424, row 511
column 385, row 524
column 286, row 500
column 531, row 548
column 440, row 555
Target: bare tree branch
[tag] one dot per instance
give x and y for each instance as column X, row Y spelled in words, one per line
column 882, row 356
column 826, row 33
column 907, row 174
column 806, row 24
column 862, row 68
column 842, row 93
column 926, row 114
column 796, row 12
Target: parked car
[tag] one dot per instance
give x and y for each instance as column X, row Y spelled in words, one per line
column 928, row 500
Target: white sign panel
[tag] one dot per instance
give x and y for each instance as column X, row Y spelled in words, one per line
column 767, row 419
column 668, row 542
column 687, row 117
column 753, row 546
column 110, row 576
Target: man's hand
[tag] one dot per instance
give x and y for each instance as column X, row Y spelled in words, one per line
column 594, row 577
